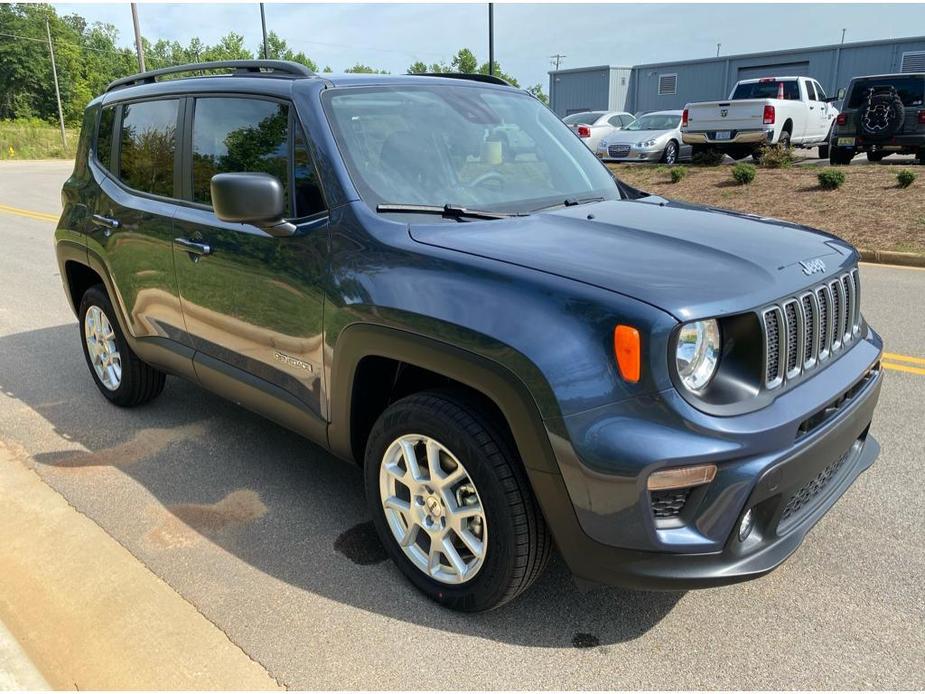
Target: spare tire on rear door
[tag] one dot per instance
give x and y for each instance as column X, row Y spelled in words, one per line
column 881, row 114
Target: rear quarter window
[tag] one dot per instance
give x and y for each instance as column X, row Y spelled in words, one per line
column 104, row 137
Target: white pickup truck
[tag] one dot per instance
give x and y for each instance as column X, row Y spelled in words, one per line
column 789, row 111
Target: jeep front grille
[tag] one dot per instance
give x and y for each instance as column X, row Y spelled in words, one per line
column 802, row 331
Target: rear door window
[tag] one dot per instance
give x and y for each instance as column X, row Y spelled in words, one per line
column 148, row 145
column 232, row 134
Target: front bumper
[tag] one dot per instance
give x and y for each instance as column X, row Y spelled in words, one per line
column 633, row 155
column 737, row 137
column 605, row 528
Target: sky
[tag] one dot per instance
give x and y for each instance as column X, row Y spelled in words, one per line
column 392, row 36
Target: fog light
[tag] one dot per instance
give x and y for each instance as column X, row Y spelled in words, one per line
column 745, row 527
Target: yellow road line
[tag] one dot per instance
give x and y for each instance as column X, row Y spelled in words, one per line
column 902, row 367
column 41, row 216
column 902, row 357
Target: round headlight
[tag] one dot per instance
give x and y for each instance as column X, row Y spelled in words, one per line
column 697, row 354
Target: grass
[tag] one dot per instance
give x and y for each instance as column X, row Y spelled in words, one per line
column 35, row 139
column 869, row 210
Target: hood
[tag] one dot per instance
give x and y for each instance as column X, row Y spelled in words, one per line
column 690, row 261
column 629, row 137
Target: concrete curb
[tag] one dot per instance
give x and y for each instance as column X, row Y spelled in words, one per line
column 17, row 671
column 892, row 257
column 89, row 614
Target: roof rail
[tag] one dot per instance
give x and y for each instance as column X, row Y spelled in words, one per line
column 474, row 76
column 246, row 67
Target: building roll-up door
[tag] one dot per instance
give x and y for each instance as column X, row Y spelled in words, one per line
column 777, row 70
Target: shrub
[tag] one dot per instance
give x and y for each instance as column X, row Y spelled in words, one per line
column 830, row 179
column 708, row 157
column 775, row 157
column 744, row 173
column 677, row 173
column 905, row 178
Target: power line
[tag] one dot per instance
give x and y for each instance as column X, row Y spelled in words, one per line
column 556, row 59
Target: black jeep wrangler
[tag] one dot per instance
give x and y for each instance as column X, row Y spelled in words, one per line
column 881, row 115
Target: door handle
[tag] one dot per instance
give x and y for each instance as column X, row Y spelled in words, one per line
column 193, row 248
column 106, row 221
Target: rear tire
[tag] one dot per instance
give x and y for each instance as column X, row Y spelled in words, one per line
column 875, row 157
column 123, row 378
column 511, row 536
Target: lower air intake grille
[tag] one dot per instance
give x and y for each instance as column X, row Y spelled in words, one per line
column 809, row 491
column 669, row 503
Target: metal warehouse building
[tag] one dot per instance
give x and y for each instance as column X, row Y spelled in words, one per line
column 659, row 86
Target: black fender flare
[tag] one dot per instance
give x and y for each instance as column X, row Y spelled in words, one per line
column 493, row 380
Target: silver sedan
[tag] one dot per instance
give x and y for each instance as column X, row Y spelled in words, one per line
column 653, row 137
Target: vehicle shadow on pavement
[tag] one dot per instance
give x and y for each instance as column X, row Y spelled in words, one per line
column 224, row 477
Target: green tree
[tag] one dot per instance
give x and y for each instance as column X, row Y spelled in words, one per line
column 359, row 67
column 464, row 61
column 537, row 91
column 278, row 49
column 417, row 68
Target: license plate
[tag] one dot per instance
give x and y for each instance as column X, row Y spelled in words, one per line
column 846, row 142
column 723, row 135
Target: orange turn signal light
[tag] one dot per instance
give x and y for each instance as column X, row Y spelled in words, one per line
column 680, row 477
column 626, row 347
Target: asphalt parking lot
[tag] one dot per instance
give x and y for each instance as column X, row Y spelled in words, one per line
column 267, row 536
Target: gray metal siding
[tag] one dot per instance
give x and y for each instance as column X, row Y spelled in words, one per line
column 574, row 91
column 713, row 78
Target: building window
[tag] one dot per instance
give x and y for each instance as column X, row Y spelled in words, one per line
column 913, row 61
column 667, row 84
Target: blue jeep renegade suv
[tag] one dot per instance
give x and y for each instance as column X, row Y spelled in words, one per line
column 434, row 278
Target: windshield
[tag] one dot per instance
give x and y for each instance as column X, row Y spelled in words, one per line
column 771, row 89
column 656, row 122
column 586, row 118
column 911, row 90
column 481, row 148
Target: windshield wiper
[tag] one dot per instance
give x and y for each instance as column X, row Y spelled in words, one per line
column 571, row 202
column 451, row 211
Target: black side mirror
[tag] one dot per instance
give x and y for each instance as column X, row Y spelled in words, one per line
column 251, row 198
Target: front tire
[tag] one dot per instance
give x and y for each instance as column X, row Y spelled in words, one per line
column 875, row 157
column 452, row 504
column 670, row 154
column 117, row 371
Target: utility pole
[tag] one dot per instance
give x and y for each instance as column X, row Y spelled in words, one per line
column 843, row 35
column 139, row 47
column 263, row 22
column 556, row 59
column 491, row 38
column 717, row 49
column 54, row 72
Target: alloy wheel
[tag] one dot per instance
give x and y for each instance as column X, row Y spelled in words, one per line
column 433, row 509
column 671, row 153
column 102, row 348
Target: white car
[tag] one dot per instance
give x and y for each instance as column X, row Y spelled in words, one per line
column 789, row 111
column 591, row 126
column 654, row 136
